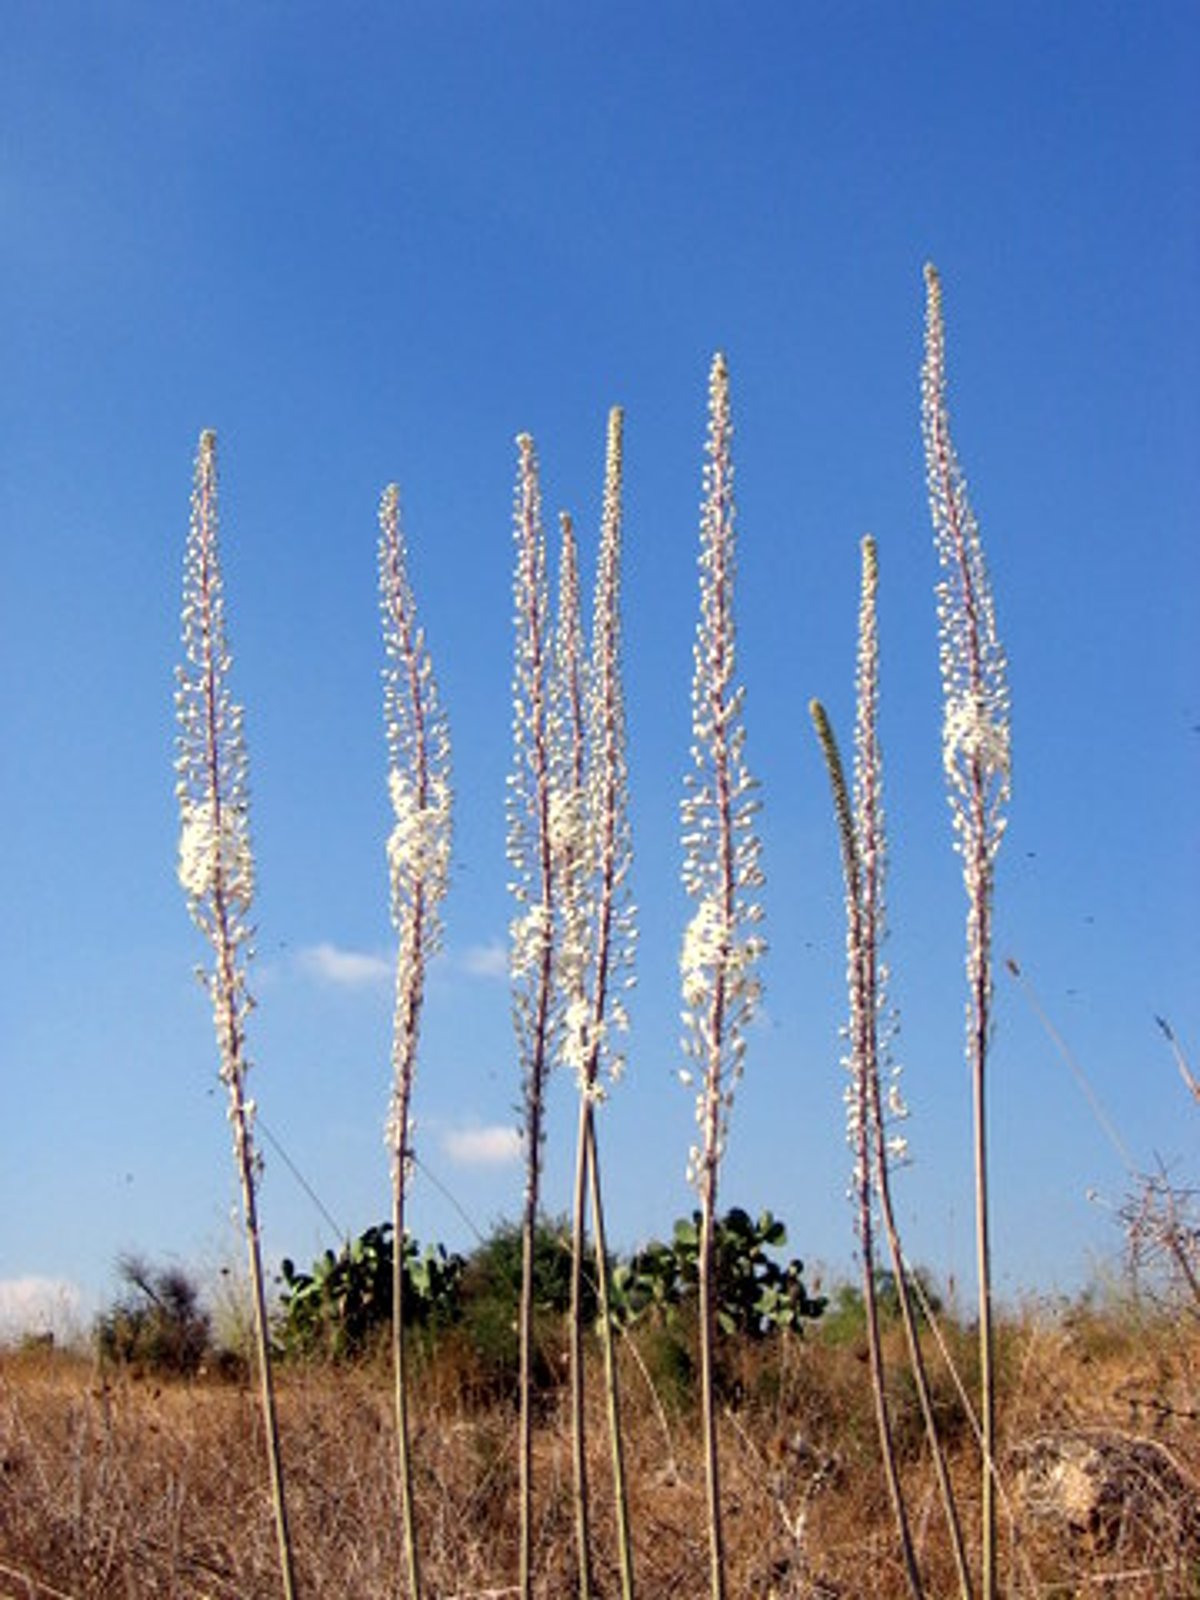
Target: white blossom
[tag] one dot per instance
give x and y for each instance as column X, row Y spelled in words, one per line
column 419, row 841
column 721, row 866
column 972, row 737
column 215, row 862
column 215, row 857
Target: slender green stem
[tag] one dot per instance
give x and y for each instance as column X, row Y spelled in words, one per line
column 400, row 1379
column 525, row 1423
column 883, row 1420
column 611, row 1379
column 233, row 1055
column 708, row 1331
column 578, row 1419
column 981, row 997
column 920, row 1375
column 263, row 1351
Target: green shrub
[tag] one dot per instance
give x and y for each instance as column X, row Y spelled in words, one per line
column 756, row 1295
column 156, row 1324
column 343, row 1306
column 845, row 1321
column 490, row 1297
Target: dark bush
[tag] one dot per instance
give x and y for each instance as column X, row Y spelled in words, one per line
column 156, row 1324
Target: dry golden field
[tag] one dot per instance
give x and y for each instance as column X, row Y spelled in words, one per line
column 121, row 1486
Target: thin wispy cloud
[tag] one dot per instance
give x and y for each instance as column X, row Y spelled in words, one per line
column 494, row 1146
column 345, row 969
column 488, row 960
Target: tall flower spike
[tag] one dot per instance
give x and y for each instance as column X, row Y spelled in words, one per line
column 531, row 796
column 976, row 741
column 216, row 870
column 608, row 788
column 569, row 831
column 977, row 758
column 418, row 848
column 721, row 872
column 888, row 1108
column 721, row 869
column 216, row 864
column 534, row 883
column 418, row 852
column 598, row 947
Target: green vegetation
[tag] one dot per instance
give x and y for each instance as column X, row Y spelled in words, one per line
column 755, row 1294
column 343, row 1306
column 156, row 1324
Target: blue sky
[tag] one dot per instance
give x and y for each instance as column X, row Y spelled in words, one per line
column 376, row 242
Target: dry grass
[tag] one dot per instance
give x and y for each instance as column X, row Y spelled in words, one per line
column 135, row 1488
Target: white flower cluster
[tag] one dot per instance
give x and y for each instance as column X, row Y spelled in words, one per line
column 976, row 738
column 703, row 945
column 419, row 842
column 215, row 863
column 876, row 1023
column 569, row 837
column 530, row 791
column 418, row 741
column 418, row 846
column 569, row 827
column 613, row 914
column 529, row 783
column 530, row 937
column 721, row 867
column 214, row 854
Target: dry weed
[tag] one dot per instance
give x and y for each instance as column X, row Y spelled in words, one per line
column 114, row 1488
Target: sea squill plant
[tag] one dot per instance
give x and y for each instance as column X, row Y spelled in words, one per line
column 872, row 1112
column 532, row 823
column 722, row 874
column 571, row 845
column 598, row 943
column 860, row 868
column 216, row 870
column 418, row 853
column 976, row 749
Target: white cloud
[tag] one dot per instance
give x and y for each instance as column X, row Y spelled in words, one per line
column 39, row 1305
column 348, row 969
column 485, row 960
column 495, row 1146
